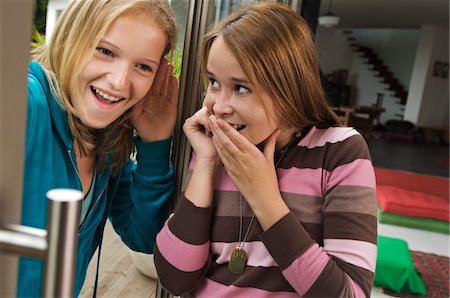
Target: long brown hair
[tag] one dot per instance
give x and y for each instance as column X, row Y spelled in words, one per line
column 275, row 49
column 78, row 31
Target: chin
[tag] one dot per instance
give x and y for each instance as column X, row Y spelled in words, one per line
column 95, row 123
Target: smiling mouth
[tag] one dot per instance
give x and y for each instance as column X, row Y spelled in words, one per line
column 238, row 127
column 104, row 97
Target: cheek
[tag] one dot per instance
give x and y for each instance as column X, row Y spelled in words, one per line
column 142, row 88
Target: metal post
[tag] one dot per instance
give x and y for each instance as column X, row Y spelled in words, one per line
column 57, row 246
column 63, row 222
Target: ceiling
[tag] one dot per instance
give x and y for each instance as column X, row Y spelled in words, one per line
column 388, row 13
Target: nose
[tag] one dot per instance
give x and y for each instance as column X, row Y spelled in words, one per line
column 119, row 76
column 220, row 103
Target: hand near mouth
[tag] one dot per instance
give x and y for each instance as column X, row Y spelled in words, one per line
column 251, row 170
column 197, row 130
column 154, row 117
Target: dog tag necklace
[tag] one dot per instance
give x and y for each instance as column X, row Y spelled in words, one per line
column 238, row 257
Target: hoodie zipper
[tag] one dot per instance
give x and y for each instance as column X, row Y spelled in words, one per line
column 97, row 199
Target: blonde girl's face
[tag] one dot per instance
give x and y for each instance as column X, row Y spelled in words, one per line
column 121, row 70
column 229, row 96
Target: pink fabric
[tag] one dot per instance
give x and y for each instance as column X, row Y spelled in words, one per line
column 167, row 242
column 359, row 253
column 345, row 174
column 407, row 202
column 319, row 137
column 209, row 288
column 303, row 272
column 288, row 179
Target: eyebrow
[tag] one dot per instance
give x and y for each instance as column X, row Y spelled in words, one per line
column 149, row 61
column 234, row 80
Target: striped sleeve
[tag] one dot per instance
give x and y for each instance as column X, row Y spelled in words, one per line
column 182, row 248
column 341, row 260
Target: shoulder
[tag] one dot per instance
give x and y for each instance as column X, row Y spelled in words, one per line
column 38, row 109
column 318, row 137
column 38, row 87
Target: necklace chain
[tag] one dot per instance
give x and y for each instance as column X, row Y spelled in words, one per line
column 282, row 152
column 238, row 256
column 242, row 242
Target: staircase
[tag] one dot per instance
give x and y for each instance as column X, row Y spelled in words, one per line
column 381, row 70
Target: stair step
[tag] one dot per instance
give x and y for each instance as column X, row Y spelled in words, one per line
column 382, row 71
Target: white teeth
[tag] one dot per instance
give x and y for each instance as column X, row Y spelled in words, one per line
column 107, row 96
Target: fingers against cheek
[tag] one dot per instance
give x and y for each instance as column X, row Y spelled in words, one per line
column 168, row 78
column 173, row 90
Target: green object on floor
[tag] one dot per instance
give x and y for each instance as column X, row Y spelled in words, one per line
column 395, row 267
column 427, row 224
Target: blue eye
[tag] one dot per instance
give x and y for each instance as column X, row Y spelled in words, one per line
column 105, row 52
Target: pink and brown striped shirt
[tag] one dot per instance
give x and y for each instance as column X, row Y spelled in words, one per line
column 326, row 245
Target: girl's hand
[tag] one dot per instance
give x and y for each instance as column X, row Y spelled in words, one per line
column 197, row 130
column 251, row 170
column 155, row 115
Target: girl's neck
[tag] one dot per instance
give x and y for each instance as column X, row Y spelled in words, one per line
column 284, row 139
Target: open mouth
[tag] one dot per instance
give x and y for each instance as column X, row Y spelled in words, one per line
column 104, row 97
column 238, row 127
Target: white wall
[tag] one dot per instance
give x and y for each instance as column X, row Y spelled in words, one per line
column 397, row 49
column 333, row 49
column 365, row 87
column 428, row 100
column 409, row 53
column 53, row 9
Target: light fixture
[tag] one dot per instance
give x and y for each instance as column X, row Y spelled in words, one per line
column 329, row 20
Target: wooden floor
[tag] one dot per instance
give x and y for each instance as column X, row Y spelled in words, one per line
column 118, row 276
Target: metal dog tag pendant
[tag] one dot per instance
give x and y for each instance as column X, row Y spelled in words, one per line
column 238, row 260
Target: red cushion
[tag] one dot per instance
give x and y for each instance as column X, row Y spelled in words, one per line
column 412, row 203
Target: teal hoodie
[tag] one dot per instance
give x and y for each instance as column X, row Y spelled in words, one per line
column 135, row 200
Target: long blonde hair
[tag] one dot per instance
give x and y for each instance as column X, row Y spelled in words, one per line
column 77, row 33
column 275, row 49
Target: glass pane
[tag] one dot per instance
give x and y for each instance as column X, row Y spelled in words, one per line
column 180, row 8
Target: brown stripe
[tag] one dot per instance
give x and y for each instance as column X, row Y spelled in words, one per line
column 228, row 203
column 347, row 198
column 334, row 279
column 349, row 150
column 286, row 240
column 340, row 225
column 226, row 229
column 197, row 232
column 266, row 278
column 308, row 208
column 176, row 281
column 327, row 157
column 362, row 276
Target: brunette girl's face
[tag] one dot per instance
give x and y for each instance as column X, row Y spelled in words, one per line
column 121, row 70
column 229, row 96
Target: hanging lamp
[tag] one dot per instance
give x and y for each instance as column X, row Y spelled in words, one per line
column 329, row 20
